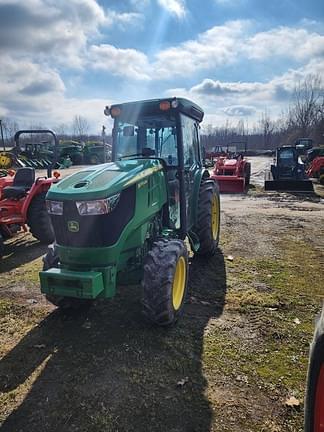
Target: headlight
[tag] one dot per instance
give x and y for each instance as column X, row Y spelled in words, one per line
column 55, row 207
column 97, row 207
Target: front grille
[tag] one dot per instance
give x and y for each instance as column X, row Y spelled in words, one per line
column 94, row 231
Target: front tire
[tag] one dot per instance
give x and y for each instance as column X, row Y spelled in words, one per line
column 165, row 281
column 39, row 221
column 208, row 220
column 247, row 175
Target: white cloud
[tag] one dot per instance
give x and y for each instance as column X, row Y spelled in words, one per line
column 48, row 29
column 174, row 7
column 286, row 42
column 218, row 88
column 211, row 49
column 38, row 36
column 122, row 62
column 27, row 78
column 35, row 94
column 240, row 110
column 236, row 99
column 231, row 43
column 125, row 19
column 57, row 30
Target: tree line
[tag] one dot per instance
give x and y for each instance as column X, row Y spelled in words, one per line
column 78, row 130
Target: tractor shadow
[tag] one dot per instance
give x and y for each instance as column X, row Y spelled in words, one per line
column 20, row 250
column 108, row 370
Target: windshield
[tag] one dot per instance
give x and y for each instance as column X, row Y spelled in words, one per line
column 147, row 137
column 287, row 157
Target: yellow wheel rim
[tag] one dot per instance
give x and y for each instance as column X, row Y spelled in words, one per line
column 179, row 283
column 5, row 160
column 215, row 217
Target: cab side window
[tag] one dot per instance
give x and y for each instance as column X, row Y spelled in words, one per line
column 190, row 141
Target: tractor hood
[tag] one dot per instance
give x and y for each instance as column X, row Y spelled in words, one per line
column 103, row 180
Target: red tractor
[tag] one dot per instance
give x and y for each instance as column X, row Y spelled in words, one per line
column 232, row 174
column 316, row 169
column 23, row 200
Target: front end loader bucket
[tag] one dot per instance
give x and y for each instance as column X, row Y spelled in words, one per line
column 230, row 184
column 301, row 186
column 287, row 185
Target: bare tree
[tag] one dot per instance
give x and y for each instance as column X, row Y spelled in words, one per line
column 80, row 127
column 267, row 127
column 62, row 129
column 10, row 127
column 307, row 100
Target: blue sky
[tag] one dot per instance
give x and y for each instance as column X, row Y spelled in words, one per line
column 236, row 58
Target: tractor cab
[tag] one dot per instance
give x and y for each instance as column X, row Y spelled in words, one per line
column 168, row 131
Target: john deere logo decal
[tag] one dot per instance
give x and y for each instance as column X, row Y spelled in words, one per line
column 73, row 226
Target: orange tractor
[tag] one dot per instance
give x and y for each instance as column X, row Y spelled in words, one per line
column 23, row 202
column 232, row 174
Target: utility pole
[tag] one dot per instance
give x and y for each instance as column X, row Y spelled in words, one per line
column 3, row 143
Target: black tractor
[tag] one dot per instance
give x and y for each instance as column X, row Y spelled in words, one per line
column 288, row 172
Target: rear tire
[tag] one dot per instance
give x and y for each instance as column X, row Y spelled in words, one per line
column 51, row 260
column 208, row 220
column 165, row 281
column 247, row 175
column 314, row 413
column 39, row 221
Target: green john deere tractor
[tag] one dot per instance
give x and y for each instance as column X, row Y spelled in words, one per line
column 126, row 221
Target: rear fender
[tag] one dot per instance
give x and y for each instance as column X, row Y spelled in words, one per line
column 201, row 174
column 40, row 185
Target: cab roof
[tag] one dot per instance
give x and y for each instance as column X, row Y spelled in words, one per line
column 152, row 106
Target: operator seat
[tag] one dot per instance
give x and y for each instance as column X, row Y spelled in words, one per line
column 23, row 181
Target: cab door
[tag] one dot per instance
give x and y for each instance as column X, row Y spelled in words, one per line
column 191, row 162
